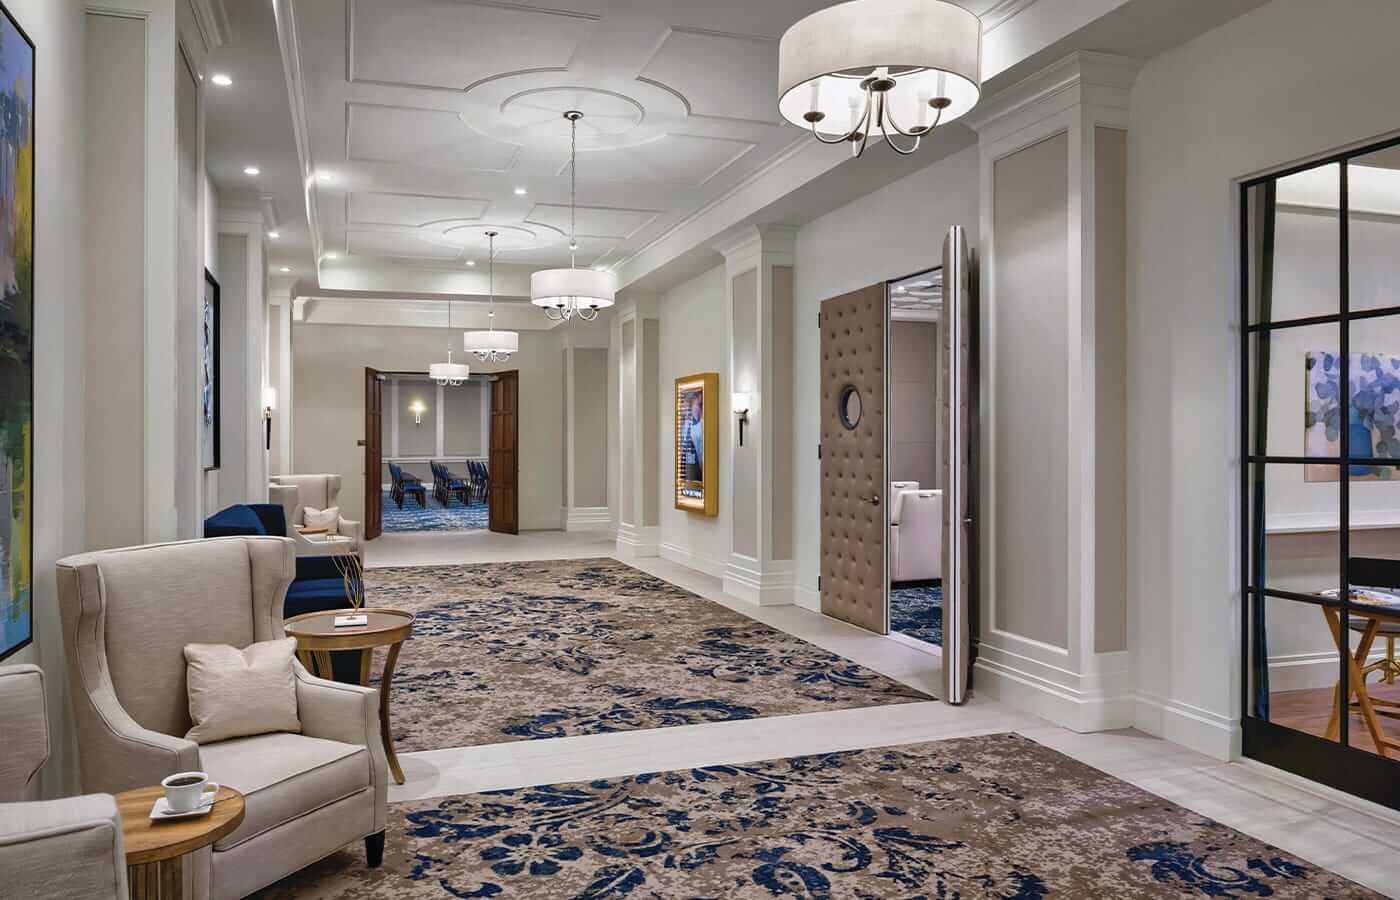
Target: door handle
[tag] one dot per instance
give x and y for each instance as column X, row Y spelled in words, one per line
column 875, row 500
column 359, row 443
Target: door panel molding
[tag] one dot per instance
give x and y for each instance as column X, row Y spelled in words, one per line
column 504, row 466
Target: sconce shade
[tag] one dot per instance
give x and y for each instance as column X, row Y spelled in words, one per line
column 269, row 397
column 740, row 403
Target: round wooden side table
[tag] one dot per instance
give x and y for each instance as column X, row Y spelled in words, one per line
column 317, row 635
column 155, row 850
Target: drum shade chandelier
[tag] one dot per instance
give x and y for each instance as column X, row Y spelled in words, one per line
column 449, row 374
column 897, row 67
column 565, row 293
column 491, row 345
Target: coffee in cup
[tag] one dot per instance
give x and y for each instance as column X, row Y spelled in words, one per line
column 188, row 791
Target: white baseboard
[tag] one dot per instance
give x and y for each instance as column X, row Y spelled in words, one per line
column 1190, row 726
column 807, row 598
column 1080, row 702
column 744, row 579
column 692, row 560
column 1302, row 671
column 637, row 542
column 586, row 518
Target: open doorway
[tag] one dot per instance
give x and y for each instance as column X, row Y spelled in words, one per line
column 429, row 449
column 917, row 360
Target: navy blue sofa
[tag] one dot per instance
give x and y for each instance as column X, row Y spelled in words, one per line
column 318, row 585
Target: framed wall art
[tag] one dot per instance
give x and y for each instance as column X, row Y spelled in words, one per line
column 16, row 335
column 209, row 374
column 697, row 443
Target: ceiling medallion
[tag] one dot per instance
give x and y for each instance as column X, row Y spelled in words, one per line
column 899, row 67
column 566, row 293
column 491, row 345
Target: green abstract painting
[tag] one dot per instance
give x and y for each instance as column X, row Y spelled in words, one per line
column 16, row 335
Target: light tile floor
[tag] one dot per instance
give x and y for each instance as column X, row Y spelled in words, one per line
column 1349, row 836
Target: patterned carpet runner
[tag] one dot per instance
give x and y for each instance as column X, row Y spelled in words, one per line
column 997, row 816
column 519, row 651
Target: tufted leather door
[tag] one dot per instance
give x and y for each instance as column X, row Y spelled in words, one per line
column 853, row 569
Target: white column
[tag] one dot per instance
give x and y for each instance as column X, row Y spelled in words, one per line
column 1053, row 604
column 252, row 310
column 440, row 423
column 636, row 335
column 758, row 266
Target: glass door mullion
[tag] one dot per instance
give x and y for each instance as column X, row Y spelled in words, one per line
column 1344, row 494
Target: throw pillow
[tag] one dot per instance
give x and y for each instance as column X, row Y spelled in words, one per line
column 328, row 519
column 237, row 693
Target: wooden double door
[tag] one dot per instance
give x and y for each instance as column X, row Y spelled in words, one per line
column 503, row 453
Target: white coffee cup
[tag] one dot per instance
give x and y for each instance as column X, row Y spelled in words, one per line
column 187, row 791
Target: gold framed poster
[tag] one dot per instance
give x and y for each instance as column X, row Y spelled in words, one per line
column 697, row 443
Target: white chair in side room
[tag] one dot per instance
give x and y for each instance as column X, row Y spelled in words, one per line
column 916, row 536
column 69, row 849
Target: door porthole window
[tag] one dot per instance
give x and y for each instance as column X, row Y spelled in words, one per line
column 849, row 407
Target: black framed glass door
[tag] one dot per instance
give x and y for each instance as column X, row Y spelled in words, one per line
column 1320, row 484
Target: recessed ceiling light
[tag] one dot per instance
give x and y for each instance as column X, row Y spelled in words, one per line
column 251, row 170
column 332, row 255
column 285, row 269
column 471, row 262
column 274, row 235
column 521, row 192
column 221, row 79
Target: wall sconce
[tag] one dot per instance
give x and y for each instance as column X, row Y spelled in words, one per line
column 740, row 405
column 269, row 399
column 417, row 408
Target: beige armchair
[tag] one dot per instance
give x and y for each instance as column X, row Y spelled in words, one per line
column 68, row 849
column 318, row 492
column 127, row 616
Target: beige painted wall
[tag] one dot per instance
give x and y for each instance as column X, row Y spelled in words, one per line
column 329, row 363
column 694, row 339
column 1111, row 390
column 590, row 427
column 114, row 170
column 913, row 413
column 62, row 236
column 1030, row 354
column 1217, row 108
column 747, row 377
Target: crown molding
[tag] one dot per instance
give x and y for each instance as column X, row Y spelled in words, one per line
column 1084, row 76
column 1001, row 13
column 290, row 48
column 211, row 18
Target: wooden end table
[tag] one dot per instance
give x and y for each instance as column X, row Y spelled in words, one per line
column 317, row 635
column 155, row 851
column 1374, row 615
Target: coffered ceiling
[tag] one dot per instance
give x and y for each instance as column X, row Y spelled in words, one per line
column 432, row 116
column 403, row 130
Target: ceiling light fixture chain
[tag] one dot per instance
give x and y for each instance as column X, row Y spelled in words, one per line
column 491, row 345
column 570, row 293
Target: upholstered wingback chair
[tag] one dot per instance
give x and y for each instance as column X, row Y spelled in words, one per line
column 318, row 492
column 68, row 849
column 916, row 536
column 287, row 496
column 127, row 616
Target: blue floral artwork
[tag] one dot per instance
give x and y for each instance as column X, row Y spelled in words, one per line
column 1370, row 418
column 993, row 816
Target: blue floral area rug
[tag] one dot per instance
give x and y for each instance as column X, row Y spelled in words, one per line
column 918, row 613
column 997, row 816
column 520, row 651
column 433, row 517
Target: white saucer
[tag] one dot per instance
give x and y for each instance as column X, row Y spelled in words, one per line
column 162, row 811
